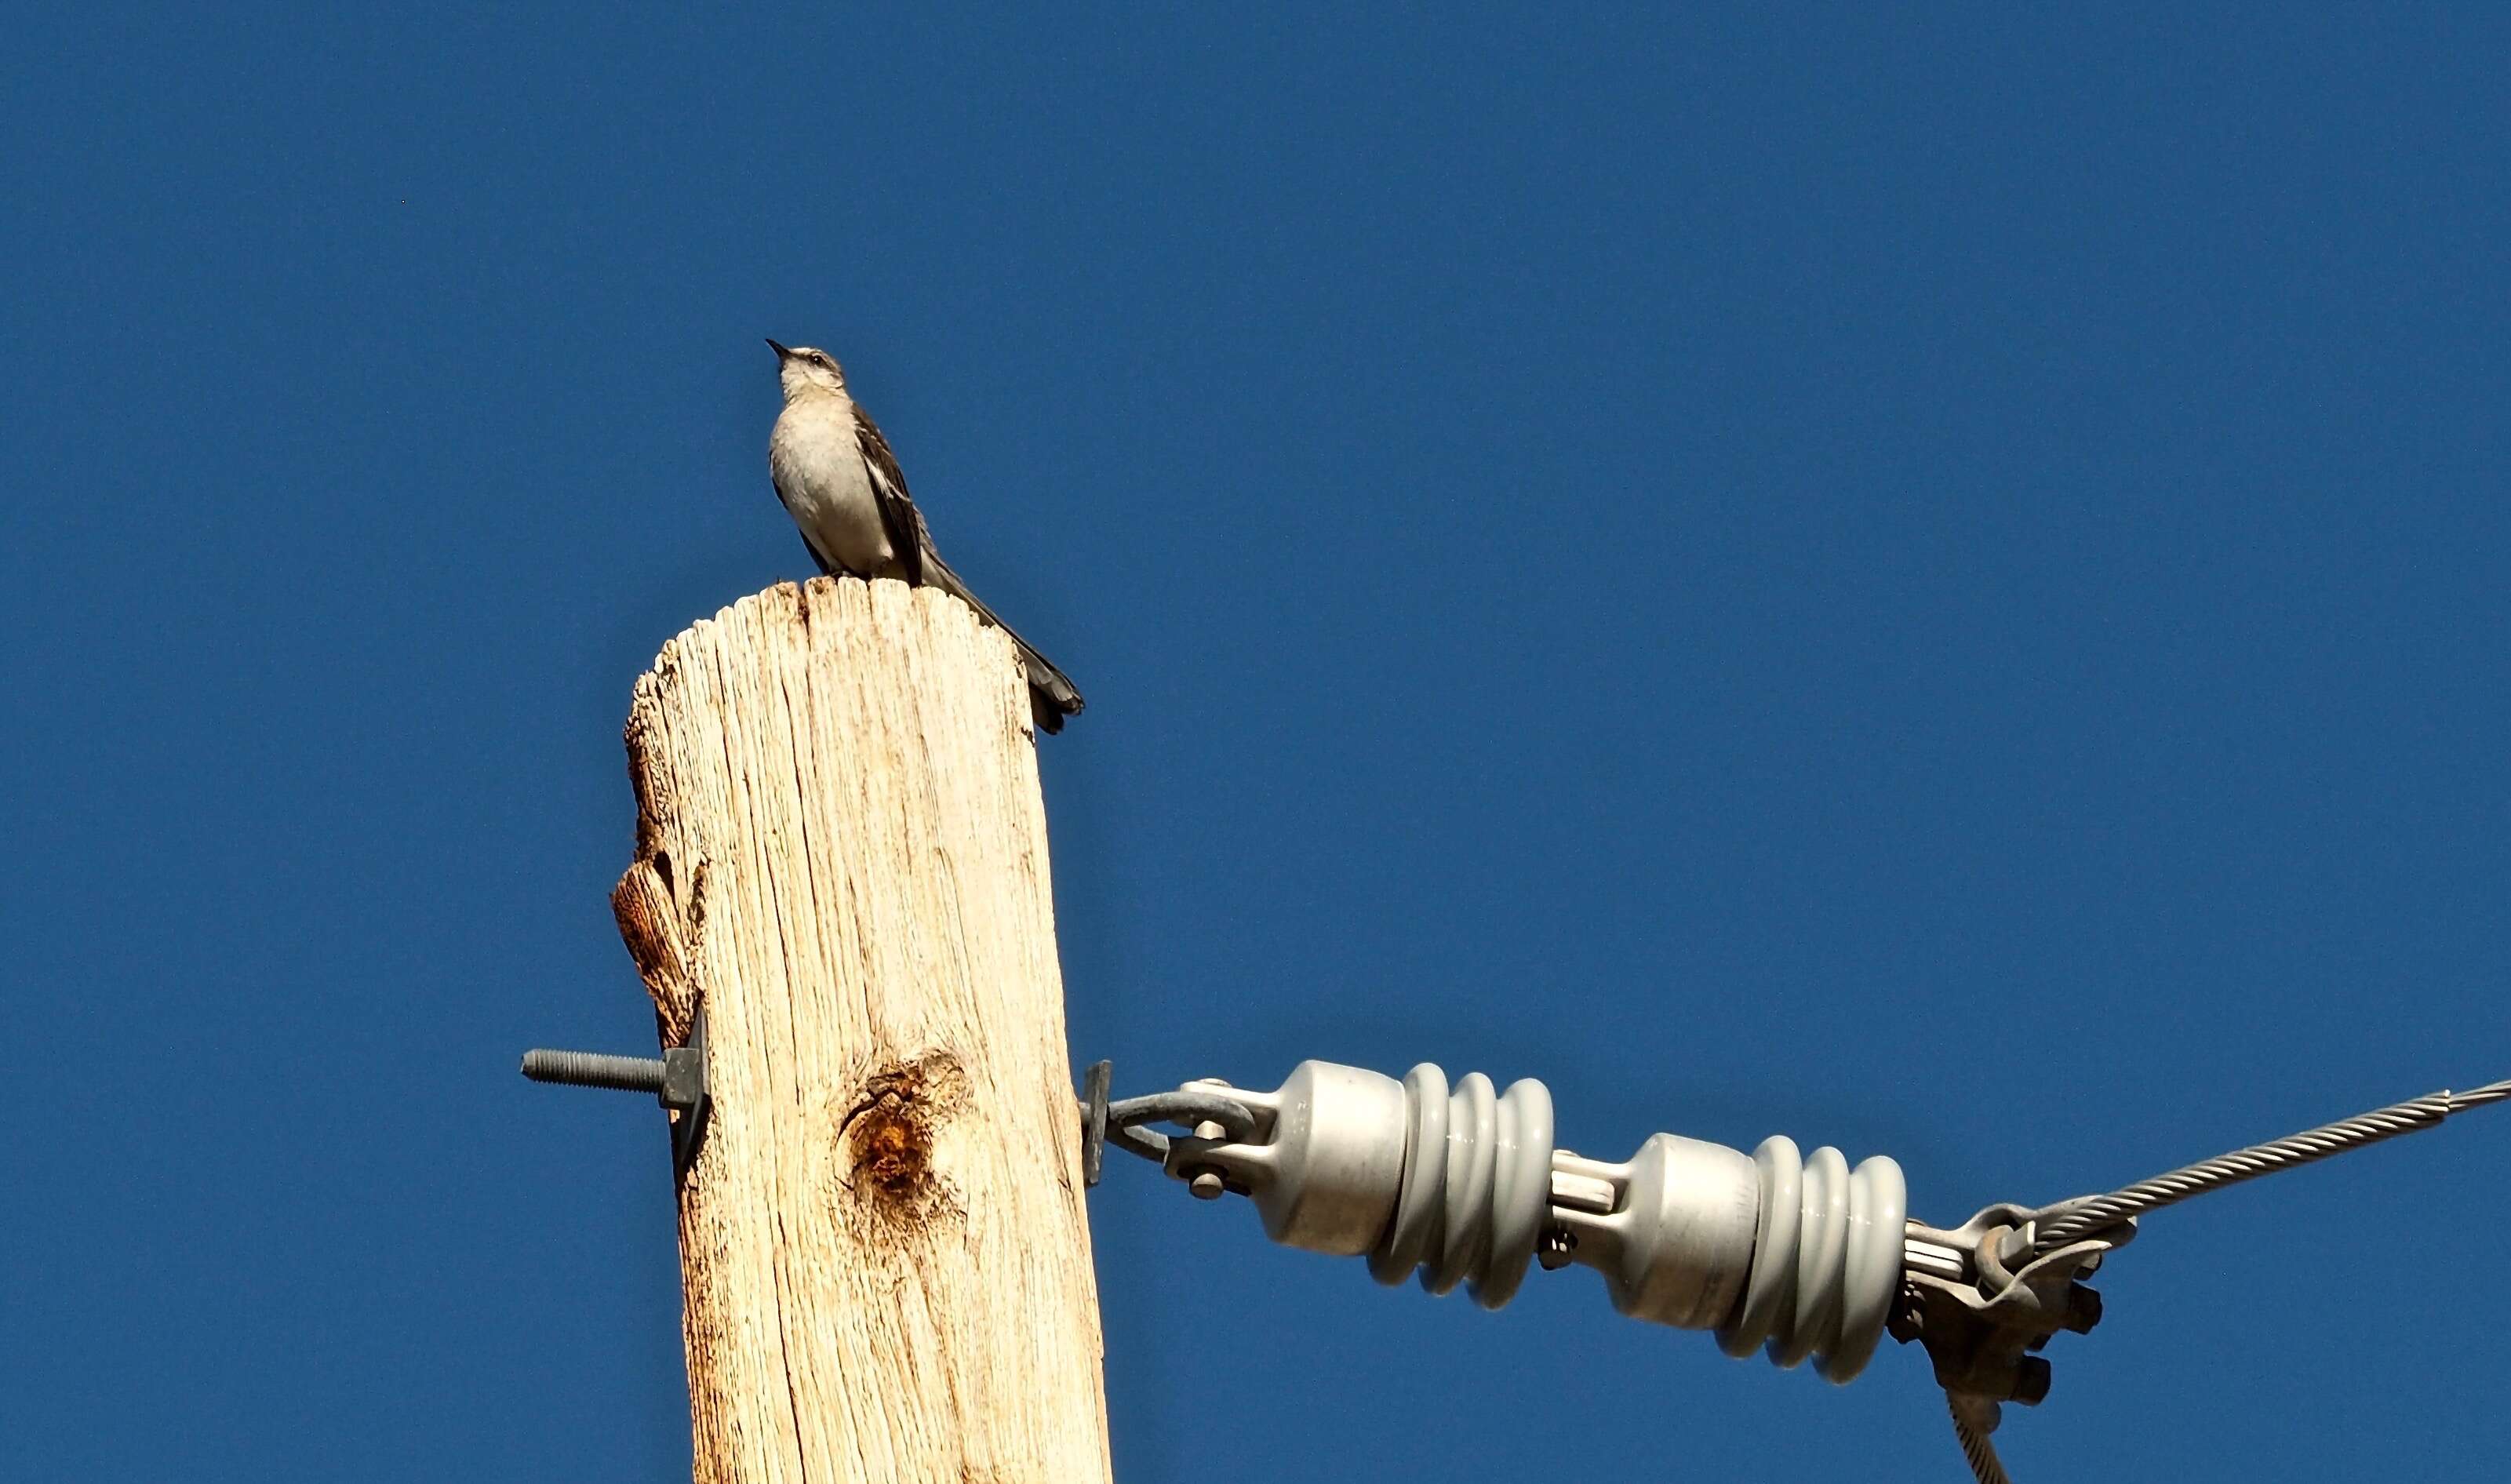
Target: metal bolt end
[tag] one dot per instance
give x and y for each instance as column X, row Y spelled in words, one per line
column 2083, row 1308
column 593, row 1069
column 1207, row 1185
column 1556, row 1245
column 2031, row 1381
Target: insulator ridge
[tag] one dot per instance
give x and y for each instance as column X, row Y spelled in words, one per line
column 1826, row 1260
column 1476, row 1187
column 1461, row 1184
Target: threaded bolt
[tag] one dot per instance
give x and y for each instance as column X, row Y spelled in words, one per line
column 594, row 1069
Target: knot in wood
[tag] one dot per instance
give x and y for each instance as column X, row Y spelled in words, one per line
column 889, row 1135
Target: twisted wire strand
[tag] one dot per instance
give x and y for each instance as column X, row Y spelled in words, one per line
column 2409, row 1117
column 1977, row 1450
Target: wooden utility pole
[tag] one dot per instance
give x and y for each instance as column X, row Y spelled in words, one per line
column 841, row 855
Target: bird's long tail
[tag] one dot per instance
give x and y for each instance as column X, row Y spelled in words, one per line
column 1052, row 695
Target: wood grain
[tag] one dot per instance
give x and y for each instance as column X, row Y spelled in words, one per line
column 841, row 855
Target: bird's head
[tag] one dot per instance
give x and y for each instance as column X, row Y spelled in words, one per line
column 802, row 369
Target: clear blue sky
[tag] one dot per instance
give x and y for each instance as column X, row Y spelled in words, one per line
column 1930, row 585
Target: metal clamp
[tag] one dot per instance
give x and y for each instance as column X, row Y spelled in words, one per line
column 678, row 1079
column 1982, row 1306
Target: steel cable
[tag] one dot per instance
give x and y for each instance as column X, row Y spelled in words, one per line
column 2409, row 1117
column 1977, row 1450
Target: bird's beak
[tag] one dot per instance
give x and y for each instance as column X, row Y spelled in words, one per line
column 780, row 351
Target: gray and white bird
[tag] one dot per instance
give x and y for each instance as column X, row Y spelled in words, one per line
column 841, row 485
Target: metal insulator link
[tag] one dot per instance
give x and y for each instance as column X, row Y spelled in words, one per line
column 1411, row 1174
column 1462, row 1185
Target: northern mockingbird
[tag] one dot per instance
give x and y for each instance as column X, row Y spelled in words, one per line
column 841, row 485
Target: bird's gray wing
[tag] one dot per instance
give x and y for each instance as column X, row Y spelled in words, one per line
column 898, row 517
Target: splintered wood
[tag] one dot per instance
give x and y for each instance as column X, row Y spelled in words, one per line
column 841, row 855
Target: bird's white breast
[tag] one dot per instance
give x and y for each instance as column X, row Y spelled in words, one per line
column 817, row 462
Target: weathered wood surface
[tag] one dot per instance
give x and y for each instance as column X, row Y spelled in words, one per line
column 841, row 852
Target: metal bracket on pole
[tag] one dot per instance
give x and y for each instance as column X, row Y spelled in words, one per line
column 678, row 1079
column 1095, row 1083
